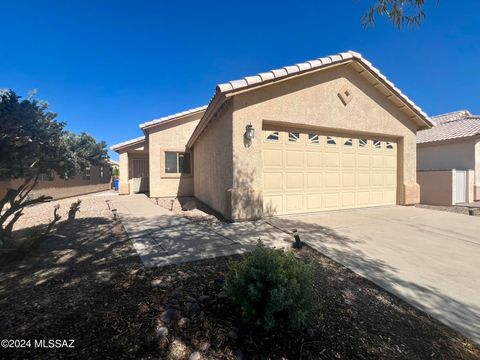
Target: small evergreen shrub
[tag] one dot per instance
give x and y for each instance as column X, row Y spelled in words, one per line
column 271, row 286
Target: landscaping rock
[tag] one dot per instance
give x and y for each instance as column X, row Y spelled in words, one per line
column 195, row 308
column 169, row 315
column 232, row 334
column 203, row 298
column 195, row 356
column 161, row 331
column 190, row 299
column 183, row 323
column 204, row 346
column 239, row 354
column 178, row 351
column 163, row 343
column 156, row 283
column 222, row 295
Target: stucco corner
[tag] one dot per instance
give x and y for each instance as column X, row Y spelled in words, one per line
column 123, row 188
column 477, row 193
column 411, row 194
column 244, row 204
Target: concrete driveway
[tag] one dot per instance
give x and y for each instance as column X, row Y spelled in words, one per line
column 429, row 258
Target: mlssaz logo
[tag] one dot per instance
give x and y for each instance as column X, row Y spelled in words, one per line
column 54, row 343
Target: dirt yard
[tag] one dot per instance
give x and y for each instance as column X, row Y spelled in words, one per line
column 86, row 283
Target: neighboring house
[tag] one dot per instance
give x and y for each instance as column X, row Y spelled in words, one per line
column 448, row 159
column 331, row 133
column 92, row 180
column 113, row 164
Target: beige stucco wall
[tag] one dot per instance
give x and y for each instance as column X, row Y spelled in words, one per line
column 126, row 155
column 436, row 187
column 454, row 154
column 59, row 188
column 477, row 172
column 213, row 162
column 171, row 136
column 312, row 100
column 458, row 155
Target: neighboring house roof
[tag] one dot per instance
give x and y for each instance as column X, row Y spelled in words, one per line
column 462, row 127
column 113, row 162
column 176, row 116
column 451, row 116
column 250, row 82
column 127, row 143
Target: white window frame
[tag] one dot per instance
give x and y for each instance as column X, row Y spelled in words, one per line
column 177, row 153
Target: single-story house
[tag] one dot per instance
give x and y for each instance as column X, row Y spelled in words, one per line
column 331, row 133
column 448, row 159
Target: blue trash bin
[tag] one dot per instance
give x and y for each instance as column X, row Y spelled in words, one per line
column 115, row 184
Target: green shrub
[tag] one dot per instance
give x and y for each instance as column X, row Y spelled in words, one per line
column 271, row 286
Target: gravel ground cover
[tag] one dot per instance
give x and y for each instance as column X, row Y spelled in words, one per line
column 87, row 283
column 453, row 208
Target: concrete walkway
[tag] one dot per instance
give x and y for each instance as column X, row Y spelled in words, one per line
column 162, row 238
column 429, row 258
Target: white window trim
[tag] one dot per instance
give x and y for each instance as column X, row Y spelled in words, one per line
column 271, row 132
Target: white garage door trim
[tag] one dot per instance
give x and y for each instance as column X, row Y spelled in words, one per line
column 307, row 171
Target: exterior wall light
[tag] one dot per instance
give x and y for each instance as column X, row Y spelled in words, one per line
column 249, row 132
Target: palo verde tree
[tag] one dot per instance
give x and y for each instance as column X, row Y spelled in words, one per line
column 400, row 13
column 32, row 142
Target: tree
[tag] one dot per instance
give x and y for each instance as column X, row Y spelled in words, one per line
column 32, row 142
column 399, row 12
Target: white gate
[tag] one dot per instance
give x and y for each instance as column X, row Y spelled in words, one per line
column 460, row 186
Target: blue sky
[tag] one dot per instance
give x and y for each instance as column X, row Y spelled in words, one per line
column 106, row 66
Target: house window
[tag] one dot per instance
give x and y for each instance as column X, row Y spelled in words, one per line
column 348, row 142
column 331, row 141
column 86, row 173
column 377, row 144
column 293, row 136
column 362, row 142
column 313, row 139
column 389, row 146
column 272, row 136
column 46, row 176
column 177, row 163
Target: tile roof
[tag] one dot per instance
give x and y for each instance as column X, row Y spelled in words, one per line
column 451, row 116
column 454, row 129
column 311, row 65
column 127, row 143
column 172, row 116
column 300, row 68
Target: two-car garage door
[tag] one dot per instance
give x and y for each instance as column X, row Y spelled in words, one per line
column 306, row 171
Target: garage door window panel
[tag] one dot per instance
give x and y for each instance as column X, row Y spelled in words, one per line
column 272, row 136
column 331, row 141
column 293, row 137
column 314, row 139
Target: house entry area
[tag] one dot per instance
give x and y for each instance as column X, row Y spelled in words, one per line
column 140, row 175
column 308, row 171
